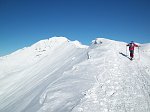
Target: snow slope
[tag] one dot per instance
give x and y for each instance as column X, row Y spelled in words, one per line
column 58, row 75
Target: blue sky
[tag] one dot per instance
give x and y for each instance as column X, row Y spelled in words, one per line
column 24, row 22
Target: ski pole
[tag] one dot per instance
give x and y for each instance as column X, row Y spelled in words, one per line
column 126, row 50
column 139, row 53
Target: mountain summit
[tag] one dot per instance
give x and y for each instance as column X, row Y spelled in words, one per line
column 59, row 75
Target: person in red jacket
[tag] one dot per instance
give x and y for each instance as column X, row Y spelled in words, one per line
column 131, row 49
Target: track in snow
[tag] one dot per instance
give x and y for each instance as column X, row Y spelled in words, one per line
column 122, row 85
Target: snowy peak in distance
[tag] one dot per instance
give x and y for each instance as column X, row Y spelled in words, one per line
column 50, row 43
column 55, row 42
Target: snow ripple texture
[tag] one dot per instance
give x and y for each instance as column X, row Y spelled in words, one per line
column 70, row 77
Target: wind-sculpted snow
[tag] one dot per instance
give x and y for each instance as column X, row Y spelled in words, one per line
column 70, row 77
column 121, row 85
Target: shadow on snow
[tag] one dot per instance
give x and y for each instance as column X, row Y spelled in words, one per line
column 124, row 55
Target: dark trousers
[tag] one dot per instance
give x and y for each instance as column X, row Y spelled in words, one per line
column 131, row 53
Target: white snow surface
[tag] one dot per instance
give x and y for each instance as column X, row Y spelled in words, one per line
column 58, row 75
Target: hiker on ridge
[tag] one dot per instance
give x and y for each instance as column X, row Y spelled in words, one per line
column 131, row 48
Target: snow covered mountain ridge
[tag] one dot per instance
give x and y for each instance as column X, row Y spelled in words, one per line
column 52, row 43
column 59, row 75
column 55, row 41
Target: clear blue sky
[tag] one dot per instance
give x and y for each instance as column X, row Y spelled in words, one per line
column 24, row 22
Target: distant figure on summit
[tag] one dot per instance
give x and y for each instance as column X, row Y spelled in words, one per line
column 131, row 48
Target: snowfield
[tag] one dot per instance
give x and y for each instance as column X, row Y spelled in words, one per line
column 59, row 75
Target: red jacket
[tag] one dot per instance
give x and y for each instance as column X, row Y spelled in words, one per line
column 131, row 46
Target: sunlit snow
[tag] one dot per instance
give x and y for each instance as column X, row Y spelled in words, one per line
column 59, row 75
